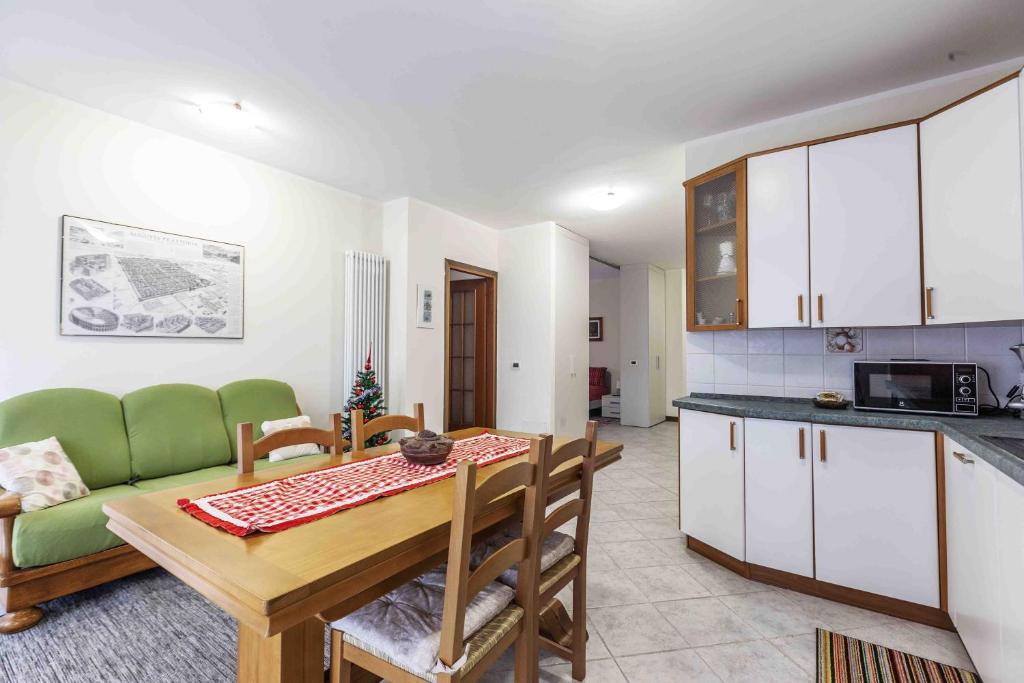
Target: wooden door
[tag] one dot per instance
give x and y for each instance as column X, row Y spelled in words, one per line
column 875, row 517
column 864, row 230
column 778, row 269
column 716, row 249
column 467, row 354
column 779, row 504
column 711, row 479
column 973, row 243
column 972, row 552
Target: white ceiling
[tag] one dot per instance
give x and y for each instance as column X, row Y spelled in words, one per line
column 505, row 112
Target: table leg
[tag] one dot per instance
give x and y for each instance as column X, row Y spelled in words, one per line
column 295, row 655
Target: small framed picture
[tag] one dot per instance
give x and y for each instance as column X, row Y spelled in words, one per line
column 596, row 329
column 424, row 307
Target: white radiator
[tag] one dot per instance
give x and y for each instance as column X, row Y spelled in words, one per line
column 366, row 316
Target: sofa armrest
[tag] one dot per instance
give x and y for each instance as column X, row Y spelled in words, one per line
column 10, row 504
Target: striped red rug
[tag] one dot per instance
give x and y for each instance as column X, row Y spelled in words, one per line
column 842, row 659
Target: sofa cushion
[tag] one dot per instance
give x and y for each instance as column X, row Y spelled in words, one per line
column 256, row 401
column 66, row 531
column 174, row 428
column 89, row 425
column 41, row 473
column 194, row 477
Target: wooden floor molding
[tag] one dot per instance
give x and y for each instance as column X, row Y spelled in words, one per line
column 922, row 614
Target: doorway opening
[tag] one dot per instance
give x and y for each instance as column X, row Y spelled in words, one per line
column 470, row 346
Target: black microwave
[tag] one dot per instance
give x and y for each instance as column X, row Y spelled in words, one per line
column 916, row 386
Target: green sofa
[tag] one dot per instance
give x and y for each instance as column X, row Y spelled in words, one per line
column 151, row 439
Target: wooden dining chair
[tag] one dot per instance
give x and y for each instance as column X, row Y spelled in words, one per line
column 452, row 624
column 249, row 451
column 563, row 558
column 385, row 423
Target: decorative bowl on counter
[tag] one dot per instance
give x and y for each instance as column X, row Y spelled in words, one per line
column 831, row 399
column 426, row 448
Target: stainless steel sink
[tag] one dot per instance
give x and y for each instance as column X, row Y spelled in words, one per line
column 1011, row 444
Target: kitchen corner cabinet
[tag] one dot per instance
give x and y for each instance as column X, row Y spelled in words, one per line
column 984, row 528
column 973, row 244
column 778, row 269
column 875, row 519
column 865, row 230
column 779, row 502
column 711, row 480
column 716, row 249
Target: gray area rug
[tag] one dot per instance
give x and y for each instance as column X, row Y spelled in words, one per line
column 148, row 627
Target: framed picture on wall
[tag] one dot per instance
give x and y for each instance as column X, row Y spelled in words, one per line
column 424, row 306
column 121, row 281
column 597, row 329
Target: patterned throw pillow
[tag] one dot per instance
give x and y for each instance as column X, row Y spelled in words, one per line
column 41, row 473
column 287, row 452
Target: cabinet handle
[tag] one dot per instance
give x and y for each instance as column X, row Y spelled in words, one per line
column 821, row 308
column 732, row 436
column 803, row 454
column 800, row 307
column 739, row 312
column 928, row 303
column 823, row 450
column 963, row 458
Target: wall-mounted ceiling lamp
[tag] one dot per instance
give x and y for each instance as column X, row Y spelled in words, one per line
column 606, row 200
column 228, row 115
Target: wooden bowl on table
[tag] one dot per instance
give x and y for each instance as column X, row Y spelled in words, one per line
column 426, row 448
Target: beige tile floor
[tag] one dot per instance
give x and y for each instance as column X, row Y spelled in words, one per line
column 658, row 612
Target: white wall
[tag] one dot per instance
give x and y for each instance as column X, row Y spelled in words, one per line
column 675, row 339
column 63, row 158
column 604, row 302
column 421, row 236
column 642, row 341
column 572, row 349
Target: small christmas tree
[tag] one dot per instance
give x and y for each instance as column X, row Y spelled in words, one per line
column 368, row 396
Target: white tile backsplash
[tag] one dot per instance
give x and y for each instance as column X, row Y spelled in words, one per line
column 804, row 341
column 804, row 371
column 764, row 341
column 793, row 362
column 731, row 341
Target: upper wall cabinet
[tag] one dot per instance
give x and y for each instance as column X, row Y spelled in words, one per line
column 716, row 250
column 973, row 244
column 777, row 248
column 865, row 230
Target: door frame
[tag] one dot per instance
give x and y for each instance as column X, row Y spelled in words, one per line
column 491, row 329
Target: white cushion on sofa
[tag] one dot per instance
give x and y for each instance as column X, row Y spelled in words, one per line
column 41, row 473
column 288, row 452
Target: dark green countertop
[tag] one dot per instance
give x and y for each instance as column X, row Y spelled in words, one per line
column 966, row 431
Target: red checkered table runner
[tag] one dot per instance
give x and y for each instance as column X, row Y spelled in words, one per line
column 301, row 498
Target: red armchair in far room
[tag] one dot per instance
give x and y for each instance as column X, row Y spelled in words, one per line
column 600, row 384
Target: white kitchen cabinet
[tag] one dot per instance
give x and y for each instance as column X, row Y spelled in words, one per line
column 875, row 526
column 777, row 240
column 711, row 479
column 972, row 552
column 973, row 242
column 779, row 502
column 865, row 230
column 1010, row 594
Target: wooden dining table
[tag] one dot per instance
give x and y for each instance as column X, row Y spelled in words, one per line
column 280, row 587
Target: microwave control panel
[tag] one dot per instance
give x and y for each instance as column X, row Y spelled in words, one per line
column 965, row 388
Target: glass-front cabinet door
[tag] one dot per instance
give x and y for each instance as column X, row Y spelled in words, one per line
column 716, row 249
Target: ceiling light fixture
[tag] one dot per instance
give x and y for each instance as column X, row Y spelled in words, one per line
column 606, row 201
column 228, row 115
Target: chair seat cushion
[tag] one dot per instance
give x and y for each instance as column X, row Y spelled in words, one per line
column 556, row 546
column 66, row 531
column 404, row 626
column 565, row 565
